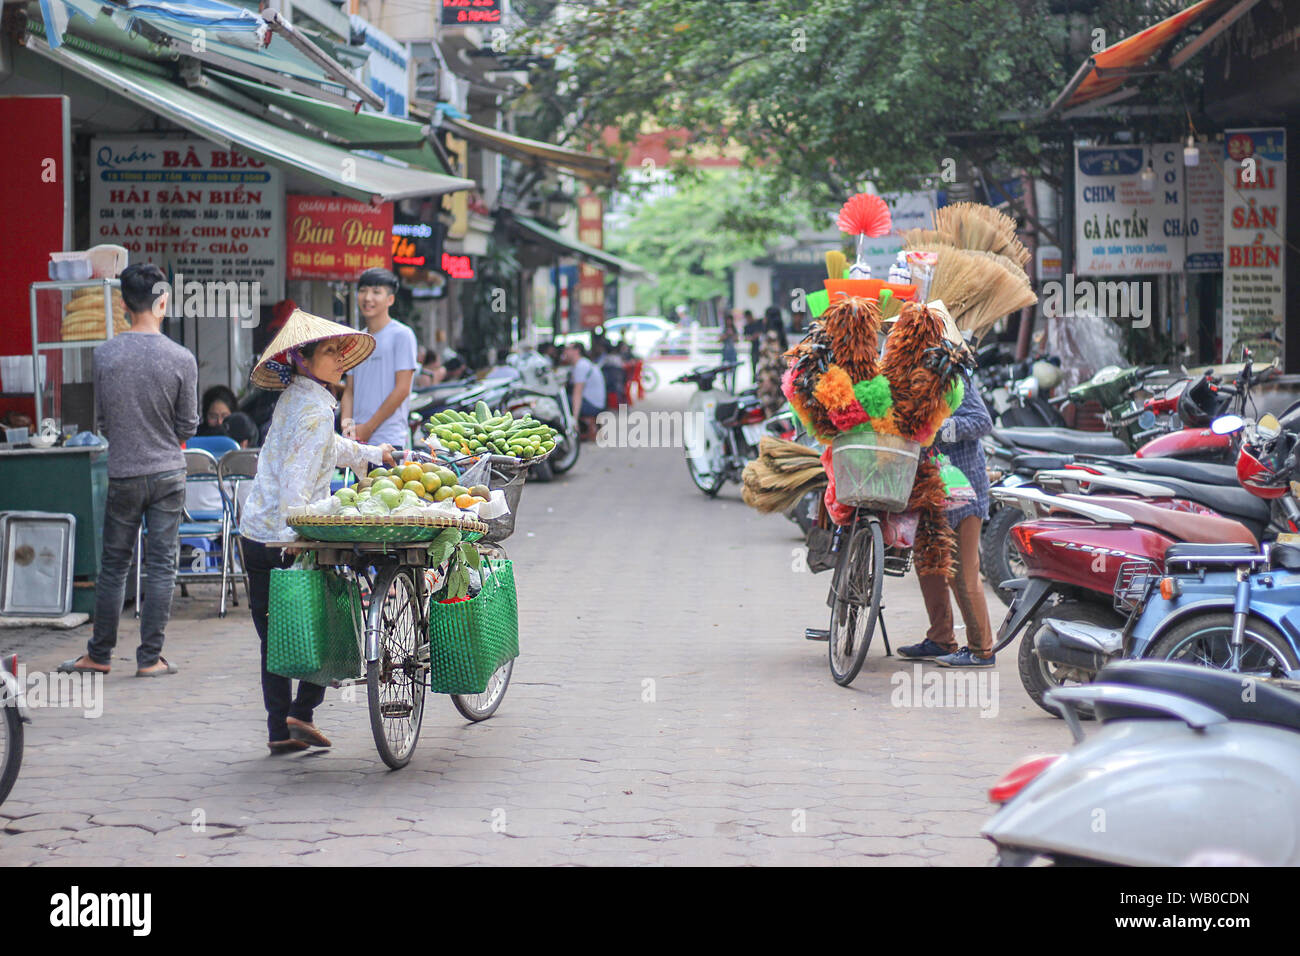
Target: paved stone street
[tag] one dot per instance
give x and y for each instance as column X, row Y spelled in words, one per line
column 666, row 709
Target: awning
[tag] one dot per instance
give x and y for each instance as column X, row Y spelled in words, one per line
column 233, row 41
column 1146, row 53
column 399, row 138
column 530, row 229
column 586, row 166
column 337, row 169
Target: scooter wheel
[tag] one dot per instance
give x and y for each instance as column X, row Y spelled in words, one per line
column 1039, row 676
column 999, row 559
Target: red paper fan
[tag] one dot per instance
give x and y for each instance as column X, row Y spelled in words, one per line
column 865, row 215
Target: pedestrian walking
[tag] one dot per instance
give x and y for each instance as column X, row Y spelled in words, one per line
column 753, row 332
column 294, row 468
column 968, row 424
column 377, row 396
column 771, row 366
column 729, row 353
column 146, row 404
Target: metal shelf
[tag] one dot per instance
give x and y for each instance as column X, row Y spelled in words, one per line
column 78, row 344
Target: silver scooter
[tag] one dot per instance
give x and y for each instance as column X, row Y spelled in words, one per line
column 1190, row 766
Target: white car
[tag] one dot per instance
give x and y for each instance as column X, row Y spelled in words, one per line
column 642, row 332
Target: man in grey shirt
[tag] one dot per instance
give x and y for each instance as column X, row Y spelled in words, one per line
column 146, row 405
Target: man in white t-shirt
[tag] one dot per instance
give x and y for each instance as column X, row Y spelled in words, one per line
column 377, row 395
column 586, row 387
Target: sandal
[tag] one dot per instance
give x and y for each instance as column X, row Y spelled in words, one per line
column 303, row 731
column 287, row 746
column 164, row 670
column 73, row 667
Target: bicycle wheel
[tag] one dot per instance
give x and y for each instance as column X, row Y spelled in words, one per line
column 478, row 707
column 396, row 679
column 12, row 757
column 855, row 605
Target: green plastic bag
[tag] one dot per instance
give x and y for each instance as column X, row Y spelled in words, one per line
column 470, row 639
column 313, row 619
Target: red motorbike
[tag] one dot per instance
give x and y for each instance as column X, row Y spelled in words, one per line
column 1078, row 551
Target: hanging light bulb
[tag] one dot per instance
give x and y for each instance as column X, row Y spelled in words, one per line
column 1191, row 155
column 1148, row 177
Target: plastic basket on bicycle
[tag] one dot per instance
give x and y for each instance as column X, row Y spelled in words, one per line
column 382, row 528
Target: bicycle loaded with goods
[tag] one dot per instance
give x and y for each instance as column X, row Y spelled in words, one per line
column 878, row 400
column 403, row 584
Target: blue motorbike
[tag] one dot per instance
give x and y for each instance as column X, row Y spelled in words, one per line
column 1228, row 606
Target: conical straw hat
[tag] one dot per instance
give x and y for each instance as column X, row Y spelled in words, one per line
column 302, row 328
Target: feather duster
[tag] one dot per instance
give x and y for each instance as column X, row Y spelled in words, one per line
column 853, row 327
column 865, row 215
column 835, row 389
column 935, row 540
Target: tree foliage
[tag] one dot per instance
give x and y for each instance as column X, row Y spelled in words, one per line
column 827, row 94
column 692, row 238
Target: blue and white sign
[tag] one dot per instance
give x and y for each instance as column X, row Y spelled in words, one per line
column 387, row 70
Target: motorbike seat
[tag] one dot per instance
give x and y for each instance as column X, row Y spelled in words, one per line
column 1067, row 441
column 1180, row 525
column 1217, row 689
column 1039, row 462
column 1235, row 502
column 1199, row 471
column 1196, row 551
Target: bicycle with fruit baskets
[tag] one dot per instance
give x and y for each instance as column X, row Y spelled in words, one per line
column 397, row 573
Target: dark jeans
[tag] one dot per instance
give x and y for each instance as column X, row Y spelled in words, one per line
column 160, row 499
column 277, row 691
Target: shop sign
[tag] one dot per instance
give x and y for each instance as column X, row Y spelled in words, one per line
column 387, row 70
column 591, row 280
column 335, row 238
column 1205, row 212
column 464, row 13
column 457, row 267
column 1125, row 224
column 1254, row 244
column 191, row 207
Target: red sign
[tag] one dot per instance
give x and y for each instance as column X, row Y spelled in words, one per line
column 333, row 238
column 591, row 281
column 457, row 267
column 464, row 12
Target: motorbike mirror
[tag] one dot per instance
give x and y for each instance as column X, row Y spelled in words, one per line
column 1147, row 419
column 1268, row 427
column 1227, row 424
column 1027, row 387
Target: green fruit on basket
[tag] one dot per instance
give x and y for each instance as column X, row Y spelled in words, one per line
column 458, row 490
column 382, row 483
column 389, row 496
column 377, row 473
column 481, row 491
column 346, row 495
column 443, row 493
column 446, row 475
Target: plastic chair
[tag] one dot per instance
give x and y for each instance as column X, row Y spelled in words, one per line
column 234, row 468
column 204, row 528
column 215, row 445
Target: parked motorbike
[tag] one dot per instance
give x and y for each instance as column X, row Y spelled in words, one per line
column 1079, row 551
column 722, row 430
column 1178, row 747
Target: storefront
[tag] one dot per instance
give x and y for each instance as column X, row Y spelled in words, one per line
column 212, row 176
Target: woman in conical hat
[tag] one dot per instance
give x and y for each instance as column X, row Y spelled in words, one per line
column 294, row 468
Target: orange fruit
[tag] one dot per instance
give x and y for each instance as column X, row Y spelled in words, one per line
column 412, row 472
column 430, row 481
column 464, row 501
column 417, row 489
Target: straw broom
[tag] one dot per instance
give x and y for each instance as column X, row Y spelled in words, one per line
column 783, row 473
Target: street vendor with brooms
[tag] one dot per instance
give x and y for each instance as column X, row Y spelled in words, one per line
column 294, row 468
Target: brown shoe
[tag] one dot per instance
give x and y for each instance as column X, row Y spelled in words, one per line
column 307, row 733
column 287, row 746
